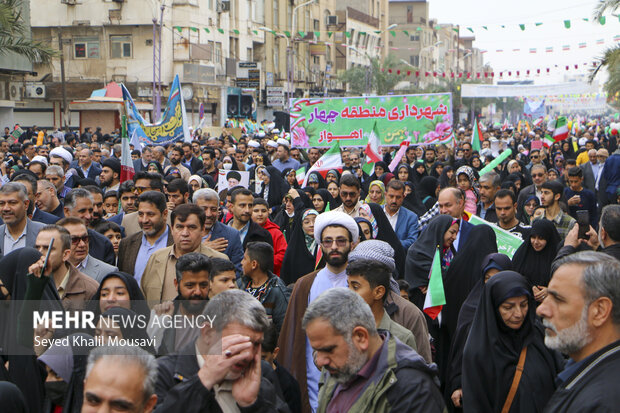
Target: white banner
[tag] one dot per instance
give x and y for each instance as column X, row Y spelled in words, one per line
column 494, row 91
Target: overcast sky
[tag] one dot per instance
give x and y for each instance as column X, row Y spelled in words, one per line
column 552, row 33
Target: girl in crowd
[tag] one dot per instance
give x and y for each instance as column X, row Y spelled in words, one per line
column 334, row 190
column 466, row 179
column 534, row 257
column 527, row 213
column 505, row 337
column 119, row 289
column 440, row 232
column 322, row 200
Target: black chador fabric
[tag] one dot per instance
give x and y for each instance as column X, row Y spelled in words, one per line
column 536, row 266
column 427, row 191
column 11, row 398
column 285, row 173
column 298, row 260
column 412, row 201
column 421, row 253
column 465, row 318
column 492, row 353
column 418, row 176
column 463, row 273
column 75, row 388
column 386, row 233
column 278, row 187
column 137, row 300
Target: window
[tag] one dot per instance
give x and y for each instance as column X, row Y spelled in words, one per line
column 409, row 14
column 86, row 48
column 414, row 60
column 218, row 52
column 414, row 37
column 249, row 55
column 120, row 47
column 276, row 15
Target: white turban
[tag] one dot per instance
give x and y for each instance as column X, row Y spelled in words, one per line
column 335, row 218
column 62, row 153
column 283, row 142
column 39, row 158
column 272, row 144
column 253, row 144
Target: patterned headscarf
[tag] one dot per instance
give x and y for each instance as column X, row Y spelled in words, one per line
column 371, row 219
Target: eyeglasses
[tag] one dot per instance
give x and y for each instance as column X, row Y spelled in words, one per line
column 76, row 239
column 538, row 175
column 340, row 242
column 534, row 156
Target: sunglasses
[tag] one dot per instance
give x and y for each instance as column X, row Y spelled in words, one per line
column 76, row 240
column 340, row 242
column 537, row 175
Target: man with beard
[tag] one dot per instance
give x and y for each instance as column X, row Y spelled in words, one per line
column 46, row 198
column 192, row 284
column 17, row 230
column 188, row 222
column 110, row 174
column 176, row 156
column 209, row 164
column 242, row 202
column 350, row 195
column 429, row 158
column 581, row 314
column 506, row 209
column 365, row 367
column 135, row 250
column 337, row 233
column 403, row 222
column 80, row 257
column 98, row 212
column 222, row 370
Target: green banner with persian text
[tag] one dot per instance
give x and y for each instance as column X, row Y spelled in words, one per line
column 507, row 243
column 423, row 119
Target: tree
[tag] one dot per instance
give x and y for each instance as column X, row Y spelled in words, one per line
column 379, row 77
column 15, row 36
column 611, row 57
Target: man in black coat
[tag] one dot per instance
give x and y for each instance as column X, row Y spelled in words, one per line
column 223, row 369
column 581, row 315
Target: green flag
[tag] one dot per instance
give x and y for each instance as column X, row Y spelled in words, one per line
column 435, row 295
column 476, row 137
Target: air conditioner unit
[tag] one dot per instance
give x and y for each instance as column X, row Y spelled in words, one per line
column 69, row 2
column 332, row 20
column 36, row 91
column 222, row 6
column 16, row 91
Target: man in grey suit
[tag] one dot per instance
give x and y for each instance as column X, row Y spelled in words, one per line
column 17, row 231
column 85, row 263
column 590, row 169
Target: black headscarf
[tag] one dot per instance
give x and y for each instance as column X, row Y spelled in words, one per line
column 409, row 171
column 417, row 176
column 297, row 261
column 492, row 352
column 421, row 253
column 136, row 297
column 285, row 172
column 427, row 191
column 156, row 165
column 433, row 171
column 412, row 201
column 319, row 179
column 444, row 180
column 386, row 233
column 466, row 317
column 11, row 398
column 536, row 266
column 278, row 187
column 327, row 199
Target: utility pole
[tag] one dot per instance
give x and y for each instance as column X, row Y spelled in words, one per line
column 64, row 110
column 157, row 64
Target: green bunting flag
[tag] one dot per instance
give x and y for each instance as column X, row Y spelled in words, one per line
column 287, row 33
column 317, row 34
column 302, row 34
column 406, row 32
column 393, row 33
column 235, row 31
column 470, row 29
column 601, row 20
column 347, row 34
column 522, row 27
column 567, row 24
column 485, row 27
column 194, row 29
column 179, row 28
column 329, row 34
column 538, row 24
column 209, row 31
column 221, row 30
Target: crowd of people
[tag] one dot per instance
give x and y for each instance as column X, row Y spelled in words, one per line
column 311, row 298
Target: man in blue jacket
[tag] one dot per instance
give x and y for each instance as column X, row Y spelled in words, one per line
column 403, row 221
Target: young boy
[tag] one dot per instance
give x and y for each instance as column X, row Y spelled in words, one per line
column 371, row 280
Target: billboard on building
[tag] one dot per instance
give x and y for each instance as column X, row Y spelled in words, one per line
column 422, row 119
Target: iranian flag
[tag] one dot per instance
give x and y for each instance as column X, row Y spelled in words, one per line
column 435, row 296
column 548, row 141
column 400, row 154
column 127, row 171
column 373, row 153
column 561, row 129
column 330, row 160
column 476, row 137
column 300, row 174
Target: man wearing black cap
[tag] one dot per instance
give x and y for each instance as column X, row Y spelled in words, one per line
column 110, row 174
column 551, row 193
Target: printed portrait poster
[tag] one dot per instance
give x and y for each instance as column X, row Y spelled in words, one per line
column 227, row 179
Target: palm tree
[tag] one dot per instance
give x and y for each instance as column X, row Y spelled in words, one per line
column 15, row 36
column 611, row 57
